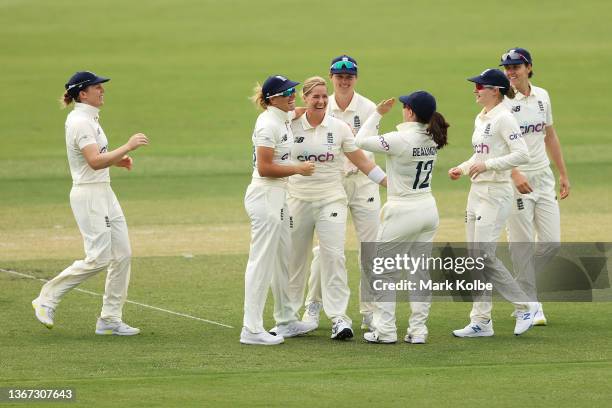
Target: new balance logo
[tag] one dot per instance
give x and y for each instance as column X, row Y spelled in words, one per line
column 371, row 200
column 298, row 139
column 526, row 316
column 519, row 204
column 476, row 329
column 334, row 214
column 284, row 138
column 107, row 221
column 516, row 108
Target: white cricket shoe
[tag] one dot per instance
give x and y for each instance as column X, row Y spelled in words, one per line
column 341, row 330
column 415, row 339
column 312, row 312
column 540, row 319
column 293, row 329
column 524, row 320
column 367, row 322
column 263, row 338
column 476, row 330
column 105, row 328
column 45, row 314
column 372, row 337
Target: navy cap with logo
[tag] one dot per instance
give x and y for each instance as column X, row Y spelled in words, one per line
column 422, row 103
column 343, row 65
column 492, row 77
column 275, row 85
column 82, row 80
column 516, row 56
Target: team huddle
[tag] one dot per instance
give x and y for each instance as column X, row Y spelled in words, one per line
column 313, row 165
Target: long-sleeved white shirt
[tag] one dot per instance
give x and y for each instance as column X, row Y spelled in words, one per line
column 324, row 145
column 355, row 114
column 82, row 129
column 273, row 129
column 497, row 141
column 533, row 114
column 410, row 152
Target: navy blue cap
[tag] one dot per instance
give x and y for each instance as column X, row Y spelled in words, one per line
column 82, row 80
column 276, row 84
column 492, row 77
column 516, row 56
column 422, row 103
column 343, row 65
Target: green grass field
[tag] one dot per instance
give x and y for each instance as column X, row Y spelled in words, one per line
column 181, row 73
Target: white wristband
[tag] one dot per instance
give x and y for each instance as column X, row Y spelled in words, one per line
column 377, row 175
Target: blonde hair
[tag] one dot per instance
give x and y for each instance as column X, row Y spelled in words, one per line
column 311, row 83
column 258, row 97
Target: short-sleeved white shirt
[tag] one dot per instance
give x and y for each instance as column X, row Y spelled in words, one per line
column 497, row 141
column 82, row 129
column 533, row 114
column 411, row 155
column 273, row 129
column 355, row 115
column 323, row 145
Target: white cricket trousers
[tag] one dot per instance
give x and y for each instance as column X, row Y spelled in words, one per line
column 534, row 219
column 107, row 245
column 364, row 203
column 488, row 208
column 329, row 221
column 408, row 226
column 267, row 266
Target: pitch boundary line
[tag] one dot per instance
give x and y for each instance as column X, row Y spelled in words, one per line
column 159, row 309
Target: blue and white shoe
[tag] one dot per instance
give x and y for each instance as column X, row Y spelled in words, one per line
column 476, row 329
column 524, row 319
column 341, row 330
column 293, row 329
column 105, row 328
column 44, row 313
column 415, row 339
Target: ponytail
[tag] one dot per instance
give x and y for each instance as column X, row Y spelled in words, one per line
column 66, row 99
column 437, row 128
column 258, row 98
column 511, row 93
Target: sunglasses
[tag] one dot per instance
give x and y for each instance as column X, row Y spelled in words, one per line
column 344, row 65
column 79, row 84
column 285, row 93
column 480, row 87
column 513, row 55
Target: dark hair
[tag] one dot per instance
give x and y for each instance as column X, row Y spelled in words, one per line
column 437, row 128
column 66, row 99
column 509, row 92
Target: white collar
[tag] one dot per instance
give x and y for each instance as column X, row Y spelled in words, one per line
column 408, row 126
column 87, row 109
column 279, row 113
column 352, row 106
column 306, row 125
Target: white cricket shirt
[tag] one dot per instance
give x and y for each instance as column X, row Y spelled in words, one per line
column 82, row 129
column 533, row 114
column 497, row 141
column 323, row 145
column 273, row 129
column 355, row 114
column 411, row 154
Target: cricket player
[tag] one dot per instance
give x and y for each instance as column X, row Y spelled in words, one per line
column 362, row 193
column 498, row 147
column 535, row 214
column 410, row 215
column 95, row 208
column 318, row 203
column 266, row 204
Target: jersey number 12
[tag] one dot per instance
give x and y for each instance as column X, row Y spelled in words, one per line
column 421, row 167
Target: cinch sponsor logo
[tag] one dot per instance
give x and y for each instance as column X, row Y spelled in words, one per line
column 514, row 136
column 316, row 158
column 539, row 127
column 481, row 148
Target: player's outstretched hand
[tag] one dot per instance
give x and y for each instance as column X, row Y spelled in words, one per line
column 385, row 106
column 521, row 182
column 137, row 140
column 455, row 173
column 126, row 161
column 306, row 168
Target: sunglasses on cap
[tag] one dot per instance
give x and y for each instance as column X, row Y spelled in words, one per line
column 78, row 84
column 343, row 65
column 480, row 87
column 513, row 55
column 285, row 93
